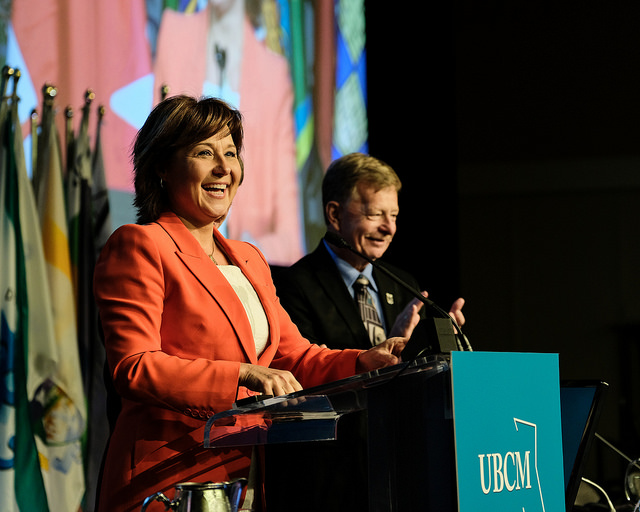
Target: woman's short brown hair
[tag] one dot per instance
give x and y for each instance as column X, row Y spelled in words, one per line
column 175, row 123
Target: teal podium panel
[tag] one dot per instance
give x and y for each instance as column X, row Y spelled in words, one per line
column 507, row 432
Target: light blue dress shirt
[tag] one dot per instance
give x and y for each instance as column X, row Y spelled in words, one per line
column 349, row 276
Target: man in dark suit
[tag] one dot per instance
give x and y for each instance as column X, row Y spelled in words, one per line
column 324, row 308
column 360, row 200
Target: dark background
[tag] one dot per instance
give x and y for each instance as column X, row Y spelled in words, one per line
column 515, row 129
column 411, row 65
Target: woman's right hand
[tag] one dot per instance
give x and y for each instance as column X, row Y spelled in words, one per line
column 268, row 381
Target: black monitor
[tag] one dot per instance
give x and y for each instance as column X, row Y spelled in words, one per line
column 581, row 403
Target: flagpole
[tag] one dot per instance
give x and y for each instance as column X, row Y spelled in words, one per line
column 14, row 94
column 7, row 73
column 164, row 92
column 34, row 141
column 69, row 140
column 16, row 77
column 89, row 96
column 49, row 92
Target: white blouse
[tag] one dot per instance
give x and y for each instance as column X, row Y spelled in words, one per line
column 252, row 305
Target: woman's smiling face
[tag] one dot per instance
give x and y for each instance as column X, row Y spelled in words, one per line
column 203, row 179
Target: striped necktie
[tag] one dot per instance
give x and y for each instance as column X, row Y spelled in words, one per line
column 368, row 311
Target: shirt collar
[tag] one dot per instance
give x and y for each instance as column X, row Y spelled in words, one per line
column 348, row 272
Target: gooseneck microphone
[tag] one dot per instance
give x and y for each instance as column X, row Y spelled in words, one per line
column 442, row 329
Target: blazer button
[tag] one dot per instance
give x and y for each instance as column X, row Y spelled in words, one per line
column 188, row 412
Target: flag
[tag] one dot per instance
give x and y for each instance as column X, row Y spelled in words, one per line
column 102, row 227
column 26, row 322
column 63, row 399
column 98, row 428
column 78, row 193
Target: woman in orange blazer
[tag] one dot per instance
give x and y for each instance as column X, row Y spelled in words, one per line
column 191, row 320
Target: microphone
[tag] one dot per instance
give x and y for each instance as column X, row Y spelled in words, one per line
column 441, row 330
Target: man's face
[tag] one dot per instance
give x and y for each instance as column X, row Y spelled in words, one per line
column 367, row 221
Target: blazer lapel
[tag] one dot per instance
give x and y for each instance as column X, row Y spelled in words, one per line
column 389, row 298
column 331, row 282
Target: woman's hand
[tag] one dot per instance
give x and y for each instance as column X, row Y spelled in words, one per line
column 386, row 353
column 268, row 381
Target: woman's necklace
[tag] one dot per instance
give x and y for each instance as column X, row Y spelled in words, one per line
column 212, row 253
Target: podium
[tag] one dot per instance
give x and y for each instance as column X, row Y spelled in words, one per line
column 471, row 431
column 409, row 434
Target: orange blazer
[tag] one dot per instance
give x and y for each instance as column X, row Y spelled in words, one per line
column 175, row 335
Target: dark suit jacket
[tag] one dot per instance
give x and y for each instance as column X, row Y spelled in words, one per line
column 313, row 293
column 319, row 303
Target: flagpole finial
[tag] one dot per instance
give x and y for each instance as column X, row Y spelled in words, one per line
column 89, row 96
column 101, row 111
column 164, row 91
column 16, row 77
column 7, row 73
column 49, row 92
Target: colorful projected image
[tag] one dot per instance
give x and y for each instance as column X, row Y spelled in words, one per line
column 295, row 69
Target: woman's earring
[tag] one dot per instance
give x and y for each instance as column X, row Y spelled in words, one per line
column 161, row 183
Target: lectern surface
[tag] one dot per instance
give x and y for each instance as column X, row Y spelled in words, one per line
column 306, row 415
